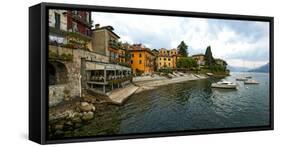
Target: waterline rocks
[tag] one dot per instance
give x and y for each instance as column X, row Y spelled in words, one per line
column 85, row 106
column 88, row 116
column 65, row 118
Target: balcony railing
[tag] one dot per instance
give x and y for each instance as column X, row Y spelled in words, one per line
column 115, row 44
column 82, row 20
column 56, row 56
column 74, row 34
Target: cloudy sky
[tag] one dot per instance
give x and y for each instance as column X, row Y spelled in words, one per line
column 240, row 43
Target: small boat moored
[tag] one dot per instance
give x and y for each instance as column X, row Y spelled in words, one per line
column 241, row 79
column 224, row 85
column 251, row 81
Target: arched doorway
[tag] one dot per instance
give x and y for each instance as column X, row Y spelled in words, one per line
column 57, row 73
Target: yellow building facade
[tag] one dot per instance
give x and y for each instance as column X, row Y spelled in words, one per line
column 142, row 60
column 167, row 58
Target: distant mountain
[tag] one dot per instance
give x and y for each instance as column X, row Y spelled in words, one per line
column 264, row 68
column 237, row 68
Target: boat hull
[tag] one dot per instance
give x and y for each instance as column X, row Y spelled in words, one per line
column 241, row 79
column 251, row 82
column 214, row 85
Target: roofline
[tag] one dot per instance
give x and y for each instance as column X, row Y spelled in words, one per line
column 101, row 28
column 142, row 50
column 198, row 55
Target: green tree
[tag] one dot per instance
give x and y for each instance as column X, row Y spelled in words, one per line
column 126, row 46
column 209, row 57
column 182, row 48
column 186, row 62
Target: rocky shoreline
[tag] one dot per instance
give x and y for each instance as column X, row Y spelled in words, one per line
column 73, row 114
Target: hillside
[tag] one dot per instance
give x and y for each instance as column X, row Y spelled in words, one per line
column 264, row 68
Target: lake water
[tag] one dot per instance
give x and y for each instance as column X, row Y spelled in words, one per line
column 186, row 106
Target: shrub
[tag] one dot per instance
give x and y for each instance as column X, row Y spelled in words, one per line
column 166, row 70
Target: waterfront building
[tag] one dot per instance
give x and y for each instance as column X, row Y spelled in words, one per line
column 57, row 25
column 79, row 25
column 156, row 53
column 142, row 59
column 103, row 77
column 74, row 68
column 200, row 59
column 70, row 29
column 105, row 42
column 167, row 58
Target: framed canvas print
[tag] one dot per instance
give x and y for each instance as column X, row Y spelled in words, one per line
column 99, row 73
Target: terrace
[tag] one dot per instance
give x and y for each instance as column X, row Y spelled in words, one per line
column 103, row 78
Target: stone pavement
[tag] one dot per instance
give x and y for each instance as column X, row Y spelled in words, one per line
column 118, row 96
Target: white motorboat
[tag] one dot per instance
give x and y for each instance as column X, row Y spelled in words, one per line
column 224, row 85
column 251, row 81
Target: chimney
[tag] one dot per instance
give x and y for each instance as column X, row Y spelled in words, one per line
column 97, row 26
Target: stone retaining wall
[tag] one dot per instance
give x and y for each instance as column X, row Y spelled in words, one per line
column 56, row 94
column 74, row 86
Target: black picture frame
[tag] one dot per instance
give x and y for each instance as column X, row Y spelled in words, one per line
column 38, row 89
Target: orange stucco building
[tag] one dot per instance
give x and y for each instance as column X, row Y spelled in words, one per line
column 142, row 59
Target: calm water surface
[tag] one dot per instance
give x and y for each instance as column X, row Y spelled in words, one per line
column 186, row 106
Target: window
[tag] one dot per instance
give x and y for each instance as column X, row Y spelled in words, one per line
column 140, row 55
column 159, row 58
column 169, row 59
column 88, row 32
column 74, row 12
column 132, row 61
column 132, row 54
column 113, row 56
column 57, row 21
column 87, row 17
column 160, row 64
column 169, row 64
column 139, row 61
column 164, row 59
column 74, row 27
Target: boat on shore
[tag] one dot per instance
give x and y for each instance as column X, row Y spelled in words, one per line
column 224, row 85
column 210, row 74
column 251, row 81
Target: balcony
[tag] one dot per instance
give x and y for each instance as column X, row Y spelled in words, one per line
column 61, row 54
column 53, row 30
column 82, row 20
column 79, row 35
column 73, row 33
column 114, row 44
